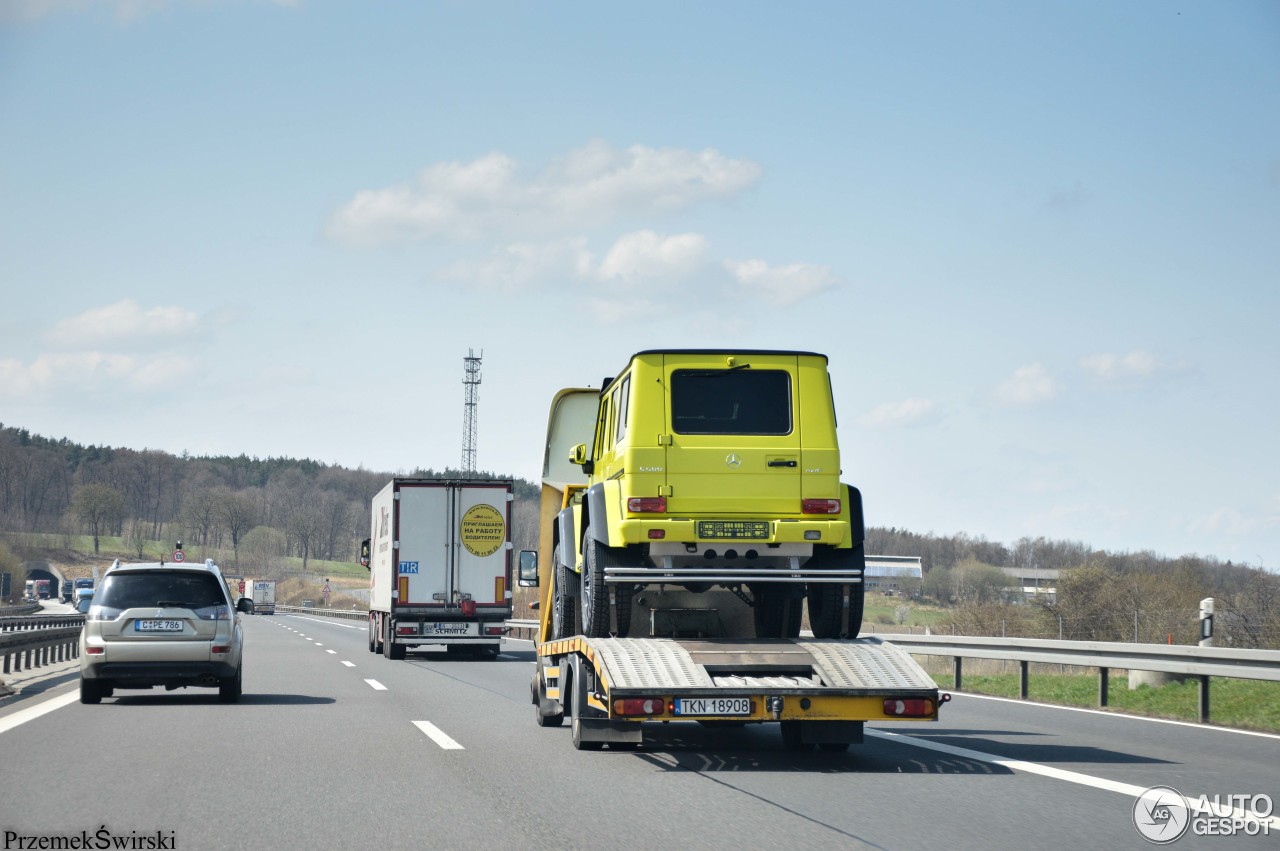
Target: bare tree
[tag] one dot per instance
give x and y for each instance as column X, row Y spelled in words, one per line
column 237, row 512
column 99, row 507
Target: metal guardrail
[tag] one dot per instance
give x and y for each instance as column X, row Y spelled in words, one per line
column 1192, row 661
column 523, row 624
column 24, row 609
column 30, row 641
column 349, row 614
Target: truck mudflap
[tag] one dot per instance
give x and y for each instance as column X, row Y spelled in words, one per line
column 821, row 690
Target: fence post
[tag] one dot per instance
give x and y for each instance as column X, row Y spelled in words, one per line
column 1204, row 700
column 959, row 671
column 1022, row 679
column 1104, row 685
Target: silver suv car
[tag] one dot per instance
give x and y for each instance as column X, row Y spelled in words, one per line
column 158, row 624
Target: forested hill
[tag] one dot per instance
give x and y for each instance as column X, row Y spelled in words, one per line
column 321, row 510
column 318, row 510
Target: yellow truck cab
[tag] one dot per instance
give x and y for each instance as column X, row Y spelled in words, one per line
column 704, row 470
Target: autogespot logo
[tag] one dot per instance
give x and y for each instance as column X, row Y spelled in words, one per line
column 1161, row 814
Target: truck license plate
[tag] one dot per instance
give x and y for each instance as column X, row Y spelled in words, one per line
column 713, row 706
column 754, row 530
column 157, row 626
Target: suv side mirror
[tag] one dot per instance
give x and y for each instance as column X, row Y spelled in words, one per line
column 528, row 569
column 578, row 455
column 245, row 605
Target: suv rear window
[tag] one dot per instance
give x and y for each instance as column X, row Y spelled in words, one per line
column 731, row 401
column 145, row 589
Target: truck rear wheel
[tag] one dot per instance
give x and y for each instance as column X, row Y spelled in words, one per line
column 390, row 649
column 826, row 610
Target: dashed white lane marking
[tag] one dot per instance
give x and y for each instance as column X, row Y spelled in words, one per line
column 329, row 651
column 23, row 716
column 1049, row 771
column 318, row 644
column 376, row 686
column 348, row 664
column 438, row 736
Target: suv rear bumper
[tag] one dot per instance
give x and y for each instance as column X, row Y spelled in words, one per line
column 832, row 532
column 147, row 674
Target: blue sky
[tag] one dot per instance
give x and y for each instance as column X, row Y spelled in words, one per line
column 1039, row 242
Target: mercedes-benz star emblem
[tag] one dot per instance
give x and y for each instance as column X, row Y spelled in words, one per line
column 732, row 461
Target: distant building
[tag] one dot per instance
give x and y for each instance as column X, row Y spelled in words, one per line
column 1035, row 581
column 889, row 573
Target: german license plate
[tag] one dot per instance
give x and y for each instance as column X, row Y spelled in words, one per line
column 157, row 626
column 732, row 529
column 713, row 706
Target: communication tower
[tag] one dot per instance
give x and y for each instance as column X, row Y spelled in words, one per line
column 470, row 380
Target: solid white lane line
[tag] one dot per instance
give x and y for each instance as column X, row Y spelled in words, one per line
column 377, row 686
column 22, row 716
column 438, row 736
column 348, row 664
column 1193, row 724
column 1049, row 771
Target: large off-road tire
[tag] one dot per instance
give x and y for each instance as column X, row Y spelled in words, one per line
column 230, row 689
column 90, row 691
column 622, row 609
column 826, row 610
column 594, row 594
column 564, row 615
column 777, row 612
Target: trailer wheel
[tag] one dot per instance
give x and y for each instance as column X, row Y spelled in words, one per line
column 579, row 704
column 826, row 615
column 390, row 649
column 373, row 641
column 792, row 739
column 564, row 621
column 594, row 594
column 537, row 690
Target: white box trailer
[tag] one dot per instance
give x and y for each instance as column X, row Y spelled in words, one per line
column 439, row 555
column 263, row 594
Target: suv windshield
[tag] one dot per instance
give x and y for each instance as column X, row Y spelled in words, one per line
column 731, row 401
column 176, row 589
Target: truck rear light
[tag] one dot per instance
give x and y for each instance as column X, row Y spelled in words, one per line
column 657, row 534
column 820, row 506
column 468, row 608
column 493, row 630
column 912, row 707
column 638, row 706
column 406, row 630
column 647, row 504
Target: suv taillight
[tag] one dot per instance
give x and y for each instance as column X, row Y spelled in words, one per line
column 647, row 505
column 820, row 506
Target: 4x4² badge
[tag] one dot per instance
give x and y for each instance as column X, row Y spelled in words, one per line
column 733, row 461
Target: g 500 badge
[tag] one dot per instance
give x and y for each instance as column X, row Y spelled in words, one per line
column 483, row 530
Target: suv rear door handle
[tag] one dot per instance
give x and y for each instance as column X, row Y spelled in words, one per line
column 782, row 462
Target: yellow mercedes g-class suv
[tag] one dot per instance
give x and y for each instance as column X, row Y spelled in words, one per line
column 712, row 469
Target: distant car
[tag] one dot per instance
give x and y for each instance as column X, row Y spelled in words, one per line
column 156, row 624
column 84, row 599
column 308, row 604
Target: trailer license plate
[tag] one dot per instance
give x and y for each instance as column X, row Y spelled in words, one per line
column 734, row 529
column 713, row 706
column 157, row 626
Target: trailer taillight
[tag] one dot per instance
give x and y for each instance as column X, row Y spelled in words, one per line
column 911, row 707
column 638, row 706
column 820, row 506
column 647, row 505
column 493, row 630
column 407, row 630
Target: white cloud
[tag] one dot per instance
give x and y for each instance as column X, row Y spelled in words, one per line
column 525, row 266
column 896, row 414
column 91, row 371
column 1027, row 386
column 588, row 187
column 645, row 255
column 123, row 324
column 1107, row 367
column 781, row 286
